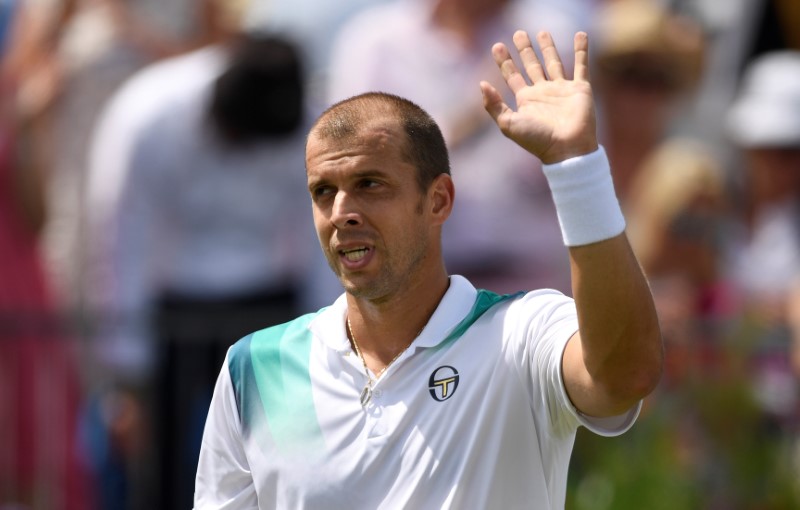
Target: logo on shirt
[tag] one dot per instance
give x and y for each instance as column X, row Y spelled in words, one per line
column 443, row 383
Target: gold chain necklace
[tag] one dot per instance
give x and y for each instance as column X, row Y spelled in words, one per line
column 366, row 393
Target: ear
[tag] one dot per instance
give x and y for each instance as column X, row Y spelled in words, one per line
column 441, row 196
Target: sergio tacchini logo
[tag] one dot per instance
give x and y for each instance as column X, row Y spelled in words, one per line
column 443, row 383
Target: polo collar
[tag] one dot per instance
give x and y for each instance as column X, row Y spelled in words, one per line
column 457, row 302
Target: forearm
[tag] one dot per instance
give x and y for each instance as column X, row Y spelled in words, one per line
column 615, row 360
column 620, row 340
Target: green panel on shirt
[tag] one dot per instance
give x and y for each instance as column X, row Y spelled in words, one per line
column 485, row 300
column 270, row 370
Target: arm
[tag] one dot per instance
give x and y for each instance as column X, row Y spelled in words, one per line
column 616, row 357
column 224, row 479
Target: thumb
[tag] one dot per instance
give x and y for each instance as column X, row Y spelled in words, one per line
column 493, row 101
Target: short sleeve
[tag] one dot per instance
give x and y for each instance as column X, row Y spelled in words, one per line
column 224, row 479
column 545, row 320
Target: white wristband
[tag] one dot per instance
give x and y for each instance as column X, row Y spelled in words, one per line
column 587, row 206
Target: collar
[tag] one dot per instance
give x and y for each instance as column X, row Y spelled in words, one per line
column 328, row 326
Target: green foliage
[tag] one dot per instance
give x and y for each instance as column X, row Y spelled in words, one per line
column 703, row 441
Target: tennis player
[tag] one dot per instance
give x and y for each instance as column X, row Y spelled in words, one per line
column 414, row 389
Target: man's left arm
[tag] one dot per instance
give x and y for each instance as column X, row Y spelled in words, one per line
column 616, row 358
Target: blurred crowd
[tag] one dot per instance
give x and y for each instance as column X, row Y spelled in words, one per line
column 153, row 210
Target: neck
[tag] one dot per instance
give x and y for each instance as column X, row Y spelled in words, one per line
column 386, row 328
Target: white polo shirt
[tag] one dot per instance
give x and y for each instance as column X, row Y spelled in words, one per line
column 473, row 415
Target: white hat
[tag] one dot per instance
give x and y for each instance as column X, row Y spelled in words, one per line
column 767, row 111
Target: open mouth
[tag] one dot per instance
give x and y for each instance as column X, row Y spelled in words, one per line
column 355, row 254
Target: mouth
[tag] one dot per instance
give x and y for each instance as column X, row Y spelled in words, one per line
column 355, row 254
column 355, row 257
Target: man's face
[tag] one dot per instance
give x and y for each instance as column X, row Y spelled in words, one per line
column 369, row 212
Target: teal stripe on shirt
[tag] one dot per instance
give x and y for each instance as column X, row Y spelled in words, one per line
column 271, row 377
column 273, row 385
column 483, row 302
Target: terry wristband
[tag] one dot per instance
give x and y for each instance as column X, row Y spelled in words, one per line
column 587, row 206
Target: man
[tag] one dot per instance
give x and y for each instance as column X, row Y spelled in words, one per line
column 414, row 389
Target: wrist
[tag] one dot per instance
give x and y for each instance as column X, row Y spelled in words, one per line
column 586, row 203
column 574, row 151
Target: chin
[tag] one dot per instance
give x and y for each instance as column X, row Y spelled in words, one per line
column 371, row 290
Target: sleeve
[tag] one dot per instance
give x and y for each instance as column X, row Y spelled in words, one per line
column 548, row 320
column 224, row 479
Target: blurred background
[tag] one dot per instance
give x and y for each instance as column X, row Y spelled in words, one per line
column 153, row 211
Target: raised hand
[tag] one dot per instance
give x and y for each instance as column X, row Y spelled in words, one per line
column 555, row 117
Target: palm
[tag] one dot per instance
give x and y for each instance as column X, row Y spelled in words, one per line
column 554, row 119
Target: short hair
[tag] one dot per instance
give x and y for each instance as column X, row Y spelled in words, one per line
column 425, row 147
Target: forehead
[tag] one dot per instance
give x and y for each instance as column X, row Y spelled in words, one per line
column 376, row 140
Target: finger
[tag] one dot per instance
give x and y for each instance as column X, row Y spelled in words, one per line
column 581, row 56
column 528, row 56
column 552, row 62
column 493, row 101
column 508, row 68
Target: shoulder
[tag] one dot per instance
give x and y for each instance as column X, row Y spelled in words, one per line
column 524, row 303
column 539, row 315
column 271, row 340
column 142, row 95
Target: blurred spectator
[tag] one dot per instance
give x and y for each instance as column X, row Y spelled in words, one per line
column 737, row 32
column 212, row 238
column 68, row 57
column 503, row 234
column 91, row 47
column 647, row 61
column 764, row 122
column 119, row 121
column 678, row 222
column 41, row 466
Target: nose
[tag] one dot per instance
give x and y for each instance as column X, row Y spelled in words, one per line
column 345, row 212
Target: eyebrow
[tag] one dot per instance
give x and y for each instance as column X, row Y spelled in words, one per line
column 358, row 174
column 376, row 172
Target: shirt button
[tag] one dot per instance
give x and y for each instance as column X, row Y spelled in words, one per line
column 377, row 394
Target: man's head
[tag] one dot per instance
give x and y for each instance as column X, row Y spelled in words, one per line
column 379, row 180
column 424, row 146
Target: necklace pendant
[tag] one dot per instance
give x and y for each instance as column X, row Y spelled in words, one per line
column 366, row 395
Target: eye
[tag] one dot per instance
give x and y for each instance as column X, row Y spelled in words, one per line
column 368, row 183
column 321, row 191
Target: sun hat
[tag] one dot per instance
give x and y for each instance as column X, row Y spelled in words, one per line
column 766, row 112
column 636, row 33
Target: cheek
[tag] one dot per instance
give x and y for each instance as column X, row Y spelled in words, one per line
column 322, row 226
